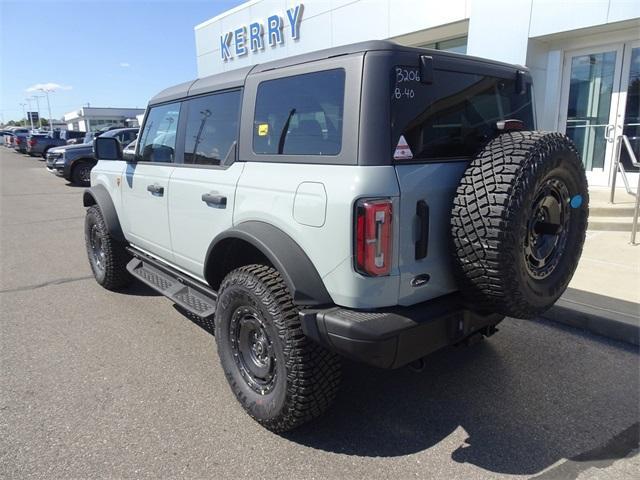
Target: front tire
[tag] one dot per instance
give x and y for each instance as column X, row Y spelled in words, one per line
column 81, row 174
column 280, row 377
column 108, row 257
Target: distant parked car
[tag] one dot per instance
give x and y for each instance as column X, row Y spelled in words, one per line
column 35, row 143
column 55, row 139
column 20, row 140
column 8, row 137
column 74, row 162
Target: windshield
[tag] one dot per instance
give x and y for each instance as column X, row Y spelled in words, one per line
column 453, row 116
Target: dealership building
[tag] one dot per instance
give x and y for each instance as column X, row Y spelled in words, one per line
column 90, row 119
column 584, row 55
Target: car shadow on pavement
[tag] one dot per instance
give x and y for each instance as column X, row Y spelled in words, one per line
column 517, row 412
column 139, row 289
column 207, row 324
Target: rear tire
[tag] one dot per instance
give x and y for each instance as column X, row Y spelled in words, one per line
column 518, row 223
column 108, row 257
column 280, row 377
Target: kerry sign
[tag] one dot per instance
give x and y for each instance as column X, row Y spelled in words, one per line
column 251, row 38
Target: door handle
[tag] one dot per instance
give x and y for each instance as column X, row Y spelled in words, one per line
column 213, row 199
column 421, row 246
column 155, row 189
column 607, row 133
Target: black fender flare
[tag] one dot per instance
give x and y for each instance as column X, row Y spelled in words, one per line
column 98, row 195
column 297, row 270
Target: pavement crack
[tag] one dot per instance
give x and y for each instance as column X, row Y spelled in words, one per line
column 58, row 281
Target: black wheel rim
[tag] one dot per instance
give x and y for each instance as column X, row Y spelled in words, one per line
column 547, row 228
column 85, row 173
column 253, row 350
column 97, row 248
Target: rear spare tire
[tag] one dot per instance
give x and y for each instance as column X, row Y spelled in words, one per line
column 518, row 223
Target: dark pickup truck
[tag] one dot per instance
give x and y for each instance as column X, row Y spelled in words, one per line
column 40, row 145
column 74, row 162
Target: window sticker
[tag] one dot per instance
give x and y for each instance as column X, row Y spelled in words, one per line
column 403, row 152
column 263, row 129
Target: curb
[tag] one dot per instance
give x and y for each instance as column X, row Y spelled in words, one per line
column 610, row 317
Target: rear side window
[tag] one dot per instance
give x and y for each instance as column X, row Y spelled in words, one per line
column 456, row 114
column 158, row 138
column 300, row 115
column 212, row 128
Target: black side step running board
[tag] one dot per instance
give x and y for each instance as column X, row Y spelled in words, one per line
column 186, row 292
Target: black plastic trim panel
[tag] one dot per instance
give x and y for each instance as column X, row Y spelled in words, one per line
column 391, row 338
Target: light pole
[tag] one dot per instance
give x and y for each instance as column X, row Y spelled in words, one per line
column 47, row 90
column 29, row 112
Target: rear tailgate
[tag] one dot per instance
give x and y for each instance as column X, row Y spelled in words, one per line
column 437, row 128
column 430, row 185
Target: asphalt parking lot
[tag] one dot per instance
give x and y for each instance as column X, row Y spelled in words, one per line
column 98, row 384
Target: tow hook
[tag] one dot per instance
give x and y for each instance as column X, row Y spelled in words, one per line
column 417, row 365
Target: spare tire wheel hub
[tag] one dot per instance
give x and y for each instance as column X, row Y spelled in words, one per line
column 547, row 228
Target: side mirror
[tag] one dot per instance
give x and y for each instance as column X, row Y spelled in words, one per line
column 107, row 148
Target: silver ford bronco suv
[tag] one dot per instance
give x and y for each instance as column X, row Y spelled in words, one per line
column 372, row 201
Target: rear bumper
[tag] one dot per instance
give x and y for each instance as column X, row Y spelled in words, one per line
column 393, row 337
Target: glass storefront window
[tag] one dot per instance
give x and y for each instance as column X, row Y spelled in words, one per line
column 456, row 45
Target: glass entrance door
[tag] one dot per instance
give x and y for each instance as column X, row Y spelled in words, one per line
column 590, row 106
column 628, row 119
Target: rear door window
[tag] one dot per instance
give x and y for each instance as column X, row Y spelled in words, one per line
column 212, row 128
column 456, row 114
column 158, row 137
column 300, row 115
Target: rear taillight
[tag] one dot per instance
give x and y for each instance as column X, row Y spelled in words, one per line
column 32, row 142
column 373, row 236
column 17, row 141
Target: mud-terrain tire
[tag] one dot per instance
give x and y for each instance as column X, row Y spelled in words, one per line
column 518, row 223
column 107, row 256
column 280, row 377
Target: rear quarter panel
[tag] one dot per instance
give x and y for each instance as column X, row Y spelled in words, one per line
column 267, row 192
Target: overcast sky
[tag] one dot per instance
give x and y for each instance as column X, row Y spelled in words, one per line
column 109, row 53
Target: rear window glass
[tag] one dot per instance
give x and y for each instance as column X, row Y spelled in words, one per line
column 456, row 114
column 300, row 115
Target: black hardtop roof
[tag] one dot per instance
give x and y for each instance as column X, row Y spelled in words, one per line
column 237, row 77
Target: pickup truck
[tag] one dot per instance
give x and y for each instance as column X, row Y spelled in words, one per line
column 74, row 162
column 58, row 138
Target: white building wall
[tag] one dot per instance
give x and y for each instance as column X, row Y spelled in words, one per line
column 324, row 24
column 497, row 29
column 536, row 33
